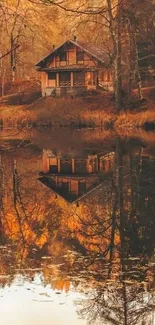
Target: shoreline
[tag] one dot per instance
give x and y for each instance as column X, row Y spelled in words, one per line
column 144, row 120
column 87, row 112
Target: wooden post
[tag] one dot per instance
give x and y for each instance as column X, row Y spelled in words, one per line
column 57, row 80
column 73, row 165
column 59, row 167
column 54, row 62
column 46, row 162
column 72, row 79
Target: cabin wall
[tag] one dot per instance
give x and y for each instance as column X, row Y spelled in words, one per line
column 88, row 61
column 74, row 186
column 46, row 164
column 52, row 83
column 44, row 82
column 71, row 58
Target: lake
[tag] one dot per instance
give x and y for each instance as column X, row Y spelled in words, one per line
column 77, row 227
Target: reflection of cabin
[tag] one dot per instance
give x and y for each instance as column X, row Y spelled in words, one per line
column 74, row 177
column 66, row 164
column 74, row 67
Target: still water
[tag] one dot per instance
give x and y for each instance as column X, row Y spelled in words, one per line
column 77, row 227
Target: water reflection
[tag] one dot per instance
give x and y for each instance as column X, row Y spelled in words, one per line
column 102, row 247
column 74, row 174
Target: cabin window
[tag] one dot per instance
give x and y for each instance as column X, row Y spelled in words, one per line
column 80, row 57
column 63, row 56
column 51, row 76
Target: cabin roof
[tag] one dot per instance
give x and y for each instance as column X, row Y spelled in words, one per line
column 68, row 196
column 72, row 67
column 96, row 51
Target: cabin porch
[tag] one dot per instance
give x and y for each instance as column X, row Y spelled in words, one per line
column 92, row 164
column 61, row 83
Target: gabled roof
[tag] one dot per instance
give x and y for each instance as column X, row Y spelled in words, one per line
column 71, row 198
column 91, row 49
column 94, row 50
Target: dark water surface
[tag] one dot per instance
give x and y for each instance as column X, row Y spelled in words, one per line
column 77, row 227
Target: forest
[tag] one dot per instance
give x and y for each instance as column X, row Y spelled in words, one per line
column 99, row 247
column 125, row 30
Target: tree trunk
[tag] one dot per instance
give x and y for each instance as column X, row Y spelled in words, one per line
column 129, row 62
column 12, row 59
column 115, row 32
column 118, row 83
column 137, row 70
column 3, row 81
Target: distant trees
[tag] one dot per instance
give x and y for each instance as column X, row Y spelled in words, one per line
column 26, row 39
column 124, row 28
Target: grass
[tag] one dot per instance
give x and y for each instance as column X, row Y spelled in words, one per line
column 91, row 111
column 55, row 112
column 141, row 119
column 98, row 119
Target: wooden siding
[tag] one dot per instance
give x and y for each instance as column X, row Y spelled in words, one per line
column 52, row 83
column 52, row 64
column 43, row 80
column 74, row 186
column 88, row 61
column 71, row 59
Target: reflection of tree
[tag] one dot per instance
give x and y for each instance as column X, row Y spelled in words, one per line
column 128, row 303
column 120, row 304
column 28, row 217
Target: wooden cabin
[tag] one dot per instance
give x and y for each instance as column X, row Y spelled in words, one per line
column 75, row 177
column 73, row 68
